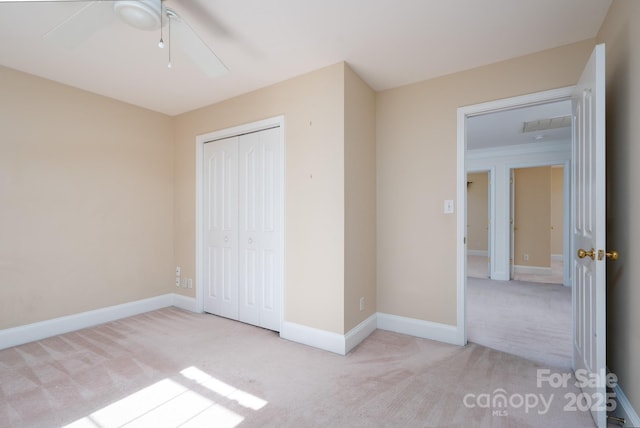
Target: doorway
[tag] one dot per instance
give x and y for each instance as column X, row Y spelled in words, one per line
column 478, row 224
column 538, row 232
column 528, row 150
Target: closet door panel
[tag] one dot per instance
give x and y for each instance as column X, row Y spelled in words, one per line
column 221, row 227
column 250, row 201
column 259, row 235
column 270, row 216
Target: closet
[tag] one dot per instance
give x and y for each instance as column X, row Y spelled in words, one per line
column 243, row 204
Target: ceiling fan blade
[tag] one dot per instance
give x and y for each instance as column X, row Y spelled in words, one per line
column 199, row 16
column 190, row 43
column 42, row 1
column 82, row 24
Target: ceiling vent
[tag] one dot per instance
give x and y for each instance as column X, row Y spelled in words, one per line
column 545, row 124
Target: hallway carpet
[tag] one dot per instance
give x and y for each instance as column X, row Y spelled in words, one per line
column 531, row 320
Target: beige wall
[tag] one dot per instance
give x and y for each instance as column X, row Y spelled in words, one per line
column 92, row 186
column 86, row 197
column 478, row 211
column 314, row 109
column 416, row 171
column 532, row 217
column 621, row 33
column 557, row 210
column 360, row 200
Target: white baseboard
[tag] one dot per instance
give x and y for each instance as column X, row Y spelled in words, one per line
column 532, row 270
column 557, row 257
column 419, row 328
column 501, row 276
column 327, row 340
column 343, row 344
column 477, row 253
column 360, row 332
column 624, row 409
column 40, row 330
column 321, row 339
column 184, row 302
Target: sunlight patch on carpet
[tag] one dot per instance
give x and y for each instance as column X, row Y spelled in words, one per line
column 241, row 397
column 164, row 404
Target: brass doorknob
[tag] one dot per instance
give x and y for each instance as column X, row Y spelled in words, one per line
column 582, row 254
column 613, row 255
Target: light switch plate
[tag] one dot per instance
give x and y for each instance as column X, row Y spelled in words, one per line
column 448, row 206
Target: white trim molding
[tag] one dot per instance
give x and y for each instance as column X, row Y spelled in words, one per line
column 624, row 409
column 321, row 339
column 360, row 332
column 41, row 330
column 185, row 302
column 327, row 340
column 532, row 270
column 478, row 253
column 317, row 338
column 343, row 344
column 465, row 160
column 419, row 328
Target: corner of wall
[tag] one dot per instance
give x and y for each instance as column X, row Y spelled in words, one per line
column 360, row 200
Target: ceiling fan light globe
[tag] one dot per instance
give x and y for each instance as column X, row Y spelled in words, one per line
column 141, row 14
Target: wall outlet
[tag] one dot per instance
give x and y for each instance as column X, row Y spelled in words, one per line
column 189, row 283
column 526, row 257
column 178, row 270
column 177, row 281
column 362, row 303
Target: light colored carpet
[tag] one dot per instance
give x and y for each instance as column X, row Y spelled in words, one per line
column 526, row 319
column 478, row 267
column 172, row 368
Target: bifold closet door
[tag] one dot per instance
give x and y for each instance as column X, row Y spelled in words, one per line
column 260, row 206
column 220, row 276
column 243, row 193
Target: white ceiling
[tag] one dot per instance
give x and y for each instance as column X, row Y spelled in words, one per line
column 389, row 43
column 505, row 128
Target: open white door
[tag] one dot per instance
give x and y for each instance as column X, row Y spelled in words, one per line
column 589, row 239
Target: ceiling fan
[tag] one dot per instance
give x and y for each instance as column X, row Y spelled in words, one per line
column 144, row 15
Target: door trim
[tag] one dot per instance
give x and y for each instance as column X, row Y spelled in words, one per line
column 277, row 121
column 463, row 113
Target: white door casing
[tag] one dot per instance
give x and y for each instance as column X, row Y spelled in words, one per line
column 502, row 214
column 512, row 223
column 489, row 223
column 589, row 222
